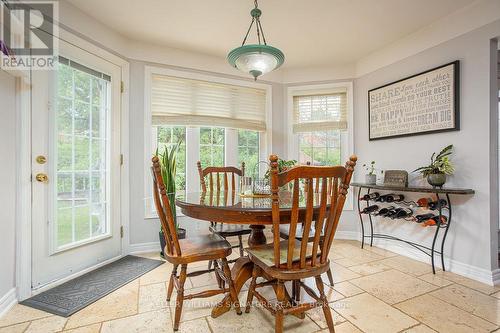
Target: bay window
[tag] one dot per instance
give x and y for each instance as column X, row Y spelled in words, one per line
column 218, row 122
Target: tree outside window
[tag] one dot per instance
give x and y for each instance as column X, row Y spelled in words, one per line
column 212, row 143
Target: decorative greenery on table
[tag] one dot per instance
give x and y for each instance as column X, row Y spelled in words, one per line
column 440, row 164
column 283, row 165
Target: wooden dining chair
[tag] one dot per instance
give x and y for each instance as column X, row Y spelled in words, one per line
column 224, row 179
column 285, row 230
column 293, row 259
column 181, row 252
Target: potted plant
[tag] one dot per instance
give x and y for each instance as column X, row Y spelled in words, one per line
column 438, row 169
column 371, row 176
column 283, row 165
column 168, row 172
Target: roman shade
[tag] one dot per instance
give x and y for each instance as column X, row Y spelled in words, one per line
column 188, row 102
column 320, row 112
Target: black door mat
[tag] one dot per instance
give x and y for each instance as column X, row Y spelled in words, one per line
column 74, row 295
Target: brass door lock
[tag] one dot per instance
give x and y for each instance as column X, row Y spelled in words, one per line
column 41, row 159
column 42, row 178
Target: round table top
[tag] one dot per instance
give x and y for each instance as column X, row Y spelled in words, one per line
column 230, row 207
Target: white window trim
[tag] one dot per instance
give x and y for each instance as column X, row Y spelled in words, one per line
column 293, row 141
column 192, row 133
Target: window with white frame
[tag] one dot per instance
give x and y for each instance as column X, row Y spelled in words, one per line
column 321, row 133
column 320, row 126
column 217, row 123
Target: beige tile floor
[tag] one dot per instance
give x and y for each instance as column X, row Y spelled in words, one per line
column 375, row 291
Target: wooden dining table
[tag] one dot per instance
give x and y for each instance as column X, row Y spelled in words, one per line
column 232, row 208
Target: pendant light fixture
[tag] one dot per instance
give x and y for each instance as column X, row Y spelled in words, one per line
column 256, row 59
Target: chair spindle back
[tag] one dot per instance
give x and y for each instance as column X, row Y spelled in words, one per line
column 222, row 175
column 325, row 191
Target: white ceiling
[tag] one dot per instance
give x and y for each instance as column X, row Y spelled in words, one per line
column 309, row 32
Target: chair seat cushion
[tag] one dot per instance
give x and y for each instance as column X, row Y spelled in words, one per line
column 229, row 229
column 199, row 248
column 265, row 253
column 285, row 232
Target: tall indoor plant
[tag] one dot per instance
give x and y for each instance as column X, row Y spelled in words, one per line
column 168, row 172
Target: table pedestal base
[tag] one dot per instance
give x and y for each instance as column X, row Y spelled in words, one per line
column 257, row 236
column 241, row 272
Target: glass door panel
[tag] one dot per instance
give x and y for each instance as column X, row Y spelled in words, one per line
column 81, row 122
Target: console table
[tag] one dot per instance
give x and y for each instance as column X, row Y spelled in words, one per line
column 446, row 192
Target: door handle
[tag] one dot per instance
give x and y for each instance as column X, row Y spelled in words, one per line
column 42, row 178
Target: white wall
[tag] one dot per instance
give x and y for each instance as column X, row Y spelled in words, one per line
column 7, row 183
column 470, row 244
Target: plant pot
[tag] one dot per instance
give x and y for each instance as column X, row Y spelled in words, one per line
column 436, row 179
column 162, row 243
column 371, row 179
column 181, row 234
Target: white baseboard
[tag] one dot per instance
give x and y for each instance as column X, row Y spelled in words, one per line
column 7, row 301
column 454, row 266
column 144, row 247
column 496, row 277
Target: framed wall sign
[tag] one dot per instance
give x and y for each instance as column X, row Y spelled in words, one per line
column 424, row 103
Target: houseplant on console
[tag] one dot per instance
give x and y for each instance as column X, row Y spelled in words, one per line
column 168, row 171
column 371, row 176
column 439, row 168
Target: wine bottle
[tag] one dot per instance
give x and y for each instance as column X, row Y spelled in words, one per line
column 434, row 205
column 392, row 212
column 403, row 213
column 384, row 210
column 370, row 209
column 424, row 202
column 434, row 220
column 394, row 197
column 371, row 196
column 382, row 198
column 423, row 217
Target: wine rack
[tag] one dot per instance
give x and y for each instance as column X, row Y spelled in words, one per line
column 442, row 219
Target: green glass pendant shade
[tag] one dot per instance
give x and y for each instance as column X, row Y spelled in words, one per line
column 256, row 59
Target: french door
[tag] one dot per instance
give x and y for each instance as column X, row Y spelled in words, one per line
column 75, row 165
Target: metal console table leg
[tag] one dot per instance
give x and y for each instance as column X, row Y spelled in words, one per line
column 426, row 250
column 361, row 219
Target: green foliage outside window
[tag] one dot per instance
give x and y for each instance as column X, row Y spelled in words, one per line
column 248, row 150
column 168, row 137
column 212, row 143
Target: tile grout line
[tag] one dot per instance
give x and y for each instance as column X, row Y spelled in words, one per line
column 428, row 293
column 497, row 325
column 391, row 305
column 208, row 323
